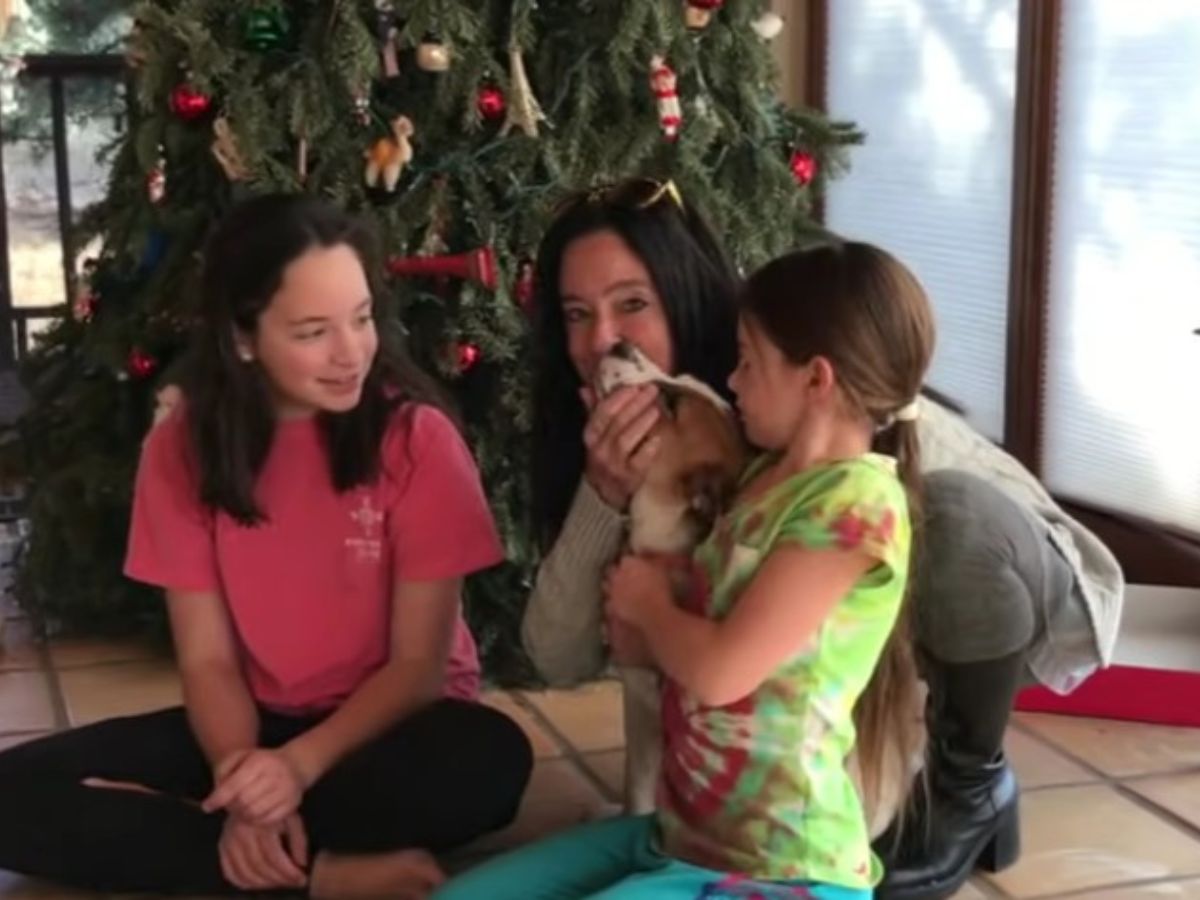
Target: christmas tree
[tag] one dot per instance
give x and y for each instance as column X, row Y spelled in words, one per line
column 456, row 125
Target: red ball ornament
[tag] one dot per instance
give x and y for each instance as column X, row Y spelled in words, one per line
column 140, row 364
column 189, row 104
column 490, row 102
column 803, row 166
column 468, row 355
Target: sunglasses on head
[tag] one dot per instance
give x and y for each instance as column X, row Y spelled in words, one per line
column 632, row 193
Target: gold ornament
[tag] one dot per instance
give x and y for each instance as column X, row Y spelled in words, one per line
column 225, row 151
column 302, row 160
column 524, row 111
column 433, row 56
column 768, row 25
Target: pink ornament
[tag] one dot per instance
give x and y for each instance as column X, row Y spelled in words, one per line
column 468, row 356
column 803, row 166
column 189, row 104
column 490, row 102
column 140, row 364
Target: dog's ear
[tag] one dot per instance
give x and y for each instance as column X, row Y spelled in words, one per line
column 708, row 488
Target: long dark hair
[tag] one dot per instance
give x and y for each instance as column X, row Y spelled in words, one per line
column 230, row 414
column 696, row 283
column 862, row 309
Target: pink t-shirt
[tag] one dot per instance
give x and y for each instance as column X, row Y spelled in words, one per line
column 310, row 590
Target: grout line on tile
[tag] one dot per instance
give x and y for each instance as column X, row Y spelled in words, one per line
column 1100, row 774
column 569, row 751
column 1149, row 776
column 1062, row 751
column 1088, row 891
column 58, row 702
column 985, row 887
column 1036, row 788
column 1118, row 784
column 1171, row 818
column 22, row 732
column 111, row 663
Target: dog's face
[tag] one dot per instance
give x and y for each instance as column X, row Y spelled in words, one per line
column 700, row 457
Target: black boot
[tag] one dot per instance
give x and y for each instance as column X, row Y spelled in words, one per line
column 964, row 812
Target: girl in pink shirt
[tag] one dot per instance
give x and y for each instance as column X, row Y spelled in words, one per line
column 311, row 513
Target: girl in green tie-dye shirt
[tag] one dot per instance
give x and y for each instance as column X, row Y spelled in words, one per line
column 780, row 646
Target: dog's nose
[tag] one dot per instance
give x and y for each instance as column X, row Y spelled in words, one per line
column 622, row 349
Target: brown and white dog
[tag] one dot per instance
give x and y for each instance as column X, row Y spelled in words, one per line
column 700, row 456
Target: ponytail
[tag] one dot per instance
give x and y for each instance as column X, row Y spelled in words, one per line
column 886, row 715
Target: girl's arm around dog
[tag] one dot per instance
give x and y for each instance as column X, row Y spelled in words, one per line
column 720, row 662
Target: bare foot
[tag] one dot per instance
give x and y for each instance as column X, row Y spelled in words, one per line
column 118, row 785
column 399, row 875
column 107, row 785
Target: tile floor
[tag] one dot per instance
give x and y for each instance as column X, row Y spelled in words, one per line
column 1111, row 811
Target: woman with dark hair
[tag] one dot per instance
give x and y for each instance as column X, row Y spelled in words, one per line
column 1008, row 588
column 310, row 512
column 632, row 261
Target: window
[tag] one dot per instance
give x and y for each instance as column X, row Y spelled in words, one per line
column 1037, row 162
column 933, row 83
column 1121, row 411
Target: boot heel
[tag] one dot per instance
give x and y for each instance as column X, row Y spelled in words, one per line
column 1005, row 846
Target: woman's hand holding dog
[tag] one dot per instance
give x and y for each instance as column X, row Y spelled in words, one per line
column 618, row 451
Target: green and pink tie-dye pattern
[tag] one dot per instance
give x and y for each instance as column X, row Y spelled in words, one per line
column 760, row 787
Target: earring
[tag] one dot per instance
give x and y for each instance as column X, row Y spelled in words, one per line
column 245, row 354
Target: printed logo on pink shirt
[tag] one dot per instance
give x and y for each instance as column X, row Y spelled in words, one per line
column 366, row 545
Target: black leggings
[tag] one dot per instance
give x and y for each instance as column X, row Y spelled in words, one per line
column 440, row 778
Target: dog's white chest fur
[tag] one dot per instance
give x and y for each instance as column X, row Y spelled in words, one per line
column 655, row 528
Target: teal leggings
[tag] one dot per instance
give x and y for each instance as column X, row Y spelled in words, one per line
column 616, row 859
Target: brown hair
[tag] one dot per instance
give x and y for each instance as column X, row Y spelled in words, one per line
column 864, row 311
column 231, row 418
